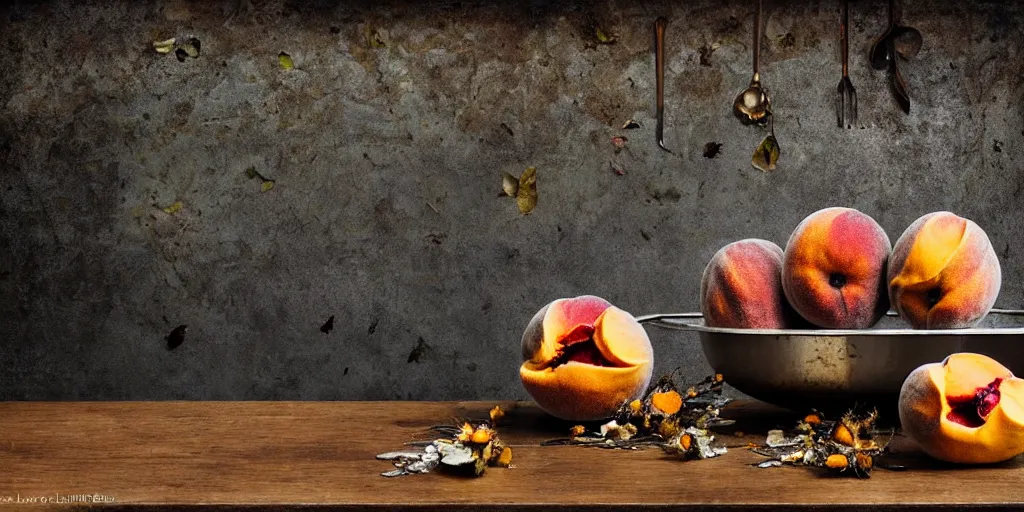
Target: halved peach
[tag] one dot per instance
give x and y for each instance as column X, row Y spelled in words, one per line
column 967, row 409
column 583, row 358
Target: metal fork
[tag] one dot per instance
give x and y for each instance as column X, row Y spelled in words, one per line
column 846, row 105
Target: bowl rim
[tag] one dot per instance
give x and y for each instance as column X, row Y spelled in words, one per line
column 694, row 322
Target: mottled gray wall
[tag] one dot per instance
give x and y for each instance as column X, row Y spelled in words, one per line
column 387, row 160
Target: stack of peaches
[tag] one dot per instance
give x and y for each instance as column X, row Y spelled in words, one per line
column 583, row 357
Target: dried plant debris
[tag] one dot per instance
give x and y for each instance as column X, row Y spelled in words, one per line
column 619, row 142
column 188, row 48
column 285, row 61
column 466, row 449
column 603, row 36
column 526, row 196
column 165, row 46
column 630, row 125
column 176, row 337
column 847, row 446
column 328, row 326
column 265, row 184
column 676, row 420
column 174, row 208
column 766, row 156
column 523, row 189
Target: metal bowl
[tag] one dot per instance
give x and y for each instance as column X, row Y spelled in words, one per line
column 833, row 369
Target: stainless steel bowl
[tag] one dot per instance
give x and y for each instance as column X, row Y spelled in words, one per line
column 833, row 369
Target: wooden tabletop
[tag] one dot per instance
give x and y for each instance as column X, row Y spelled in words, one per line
column 254, row 454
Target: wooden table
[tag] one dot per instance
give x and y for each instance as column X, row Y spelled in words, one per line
column 256, row 454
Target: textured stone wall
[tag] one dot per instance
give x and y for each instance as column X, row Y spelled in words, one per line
column 386, row 143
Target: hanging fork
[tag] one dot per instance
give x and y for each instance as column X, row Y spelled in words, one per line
column 846, row 105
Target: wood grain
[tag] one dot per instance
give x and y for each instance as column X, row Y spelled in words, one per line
column 322, row 453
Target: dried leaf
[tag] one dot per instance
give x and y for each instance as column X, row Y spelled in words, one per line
column 604, row 37
column 505, row 459
column 267, row 185
column 496, row 414
column 176, row 337
column 526, row 197
column 510, row 184
column 766, row 155
column 630, row 125
column 191, row 47
column 285, row 61
column 328, row 326
column 251, row 172
column 174, row 208
column 165, row 46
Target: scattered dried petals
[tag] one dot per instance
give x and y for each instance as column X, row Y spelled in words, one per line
column 619, row 142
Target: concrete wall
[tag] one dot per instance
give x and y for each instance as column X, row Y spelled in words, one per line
column 387, row 142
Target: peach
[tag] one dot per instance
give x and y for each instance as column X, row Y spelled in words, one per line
column 584, row 358
column 742, row 287
column 967, row 409
column 833, row 269
column 944, row 273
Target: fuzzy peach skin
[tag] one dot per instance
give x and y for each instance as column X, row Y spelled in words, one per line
column 833, row 269
column 583, row 358
column 742, row 287
column 944, row 273
column 967, row 409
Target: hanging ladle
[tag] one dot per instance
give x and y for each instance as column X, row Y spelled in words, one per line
column 752, row 105
column 896, row 40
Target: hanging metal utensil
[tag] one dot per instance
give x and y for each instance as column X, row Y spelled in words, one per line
column 753, row 105
column 659, row 67
column 846, row 106
column 901, row 41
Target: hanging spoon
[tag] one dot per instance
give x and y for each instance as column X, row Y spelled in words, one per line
column 659, row 69
column 753, row 105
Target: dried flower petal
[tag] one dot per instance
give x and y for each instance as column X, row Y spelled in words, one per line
column 496, row 414
column 668, row 402
column 505, row 459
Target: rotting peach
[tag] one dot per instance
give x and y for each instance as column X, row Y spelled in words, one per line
column 967, row 409
column 584, row 358
column 944, row 273
column 742, row 287
column 833, row 269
